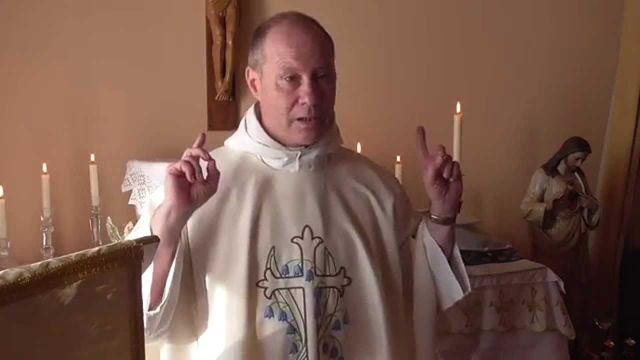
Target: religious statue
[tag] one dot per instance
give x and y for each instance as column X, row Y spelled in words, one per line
column 223, row 20
column 561, row 208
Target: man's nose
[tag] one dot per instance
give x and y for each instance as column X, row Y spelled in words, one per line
column 309, row 92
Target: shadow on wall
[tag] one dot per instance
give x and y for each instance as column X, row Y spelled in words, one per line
column 251, row 14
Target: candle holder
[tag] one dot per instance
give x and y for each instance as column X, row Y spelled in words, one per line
column 94, row 223
column 46, row 227
column 608, row 346
column 6, row 261
column 629, row 352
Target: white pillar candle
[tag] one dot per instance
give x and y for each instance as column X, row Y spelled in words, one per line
column 358, row 148
column 93, row 181
column 398, row 169
column 46, row 191
column 3, row 215
column 457, row 132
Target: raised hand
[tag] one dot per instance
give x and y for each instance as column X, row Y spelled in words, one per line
column 186, row 188
column 441, row 177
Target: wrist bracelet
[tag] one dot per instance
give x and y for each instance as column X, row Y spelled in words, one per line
column 441, row 220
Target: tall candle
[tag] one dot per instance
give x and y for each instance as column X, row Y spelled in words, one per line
column 46, row 191
column 358, row 148
column 457, row 132
column 3, row 215
column 398, row 169
column 93, row 181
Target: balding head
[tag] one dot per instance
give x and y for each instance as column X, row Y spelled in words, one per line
column 297, row 20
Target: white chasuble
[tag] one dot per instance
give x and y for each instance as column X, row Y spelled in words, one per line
column 310, row 253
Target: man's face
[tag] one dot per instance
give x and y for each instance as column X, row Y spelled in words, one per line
column 296, row 85
column 575, row 160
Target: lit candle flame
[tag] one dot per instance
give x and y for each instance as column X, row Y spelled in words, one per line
column 358, row 147
column 44, row 168
column 92, row 158
column 397, row 158
column 1, row 192
column 458, row 108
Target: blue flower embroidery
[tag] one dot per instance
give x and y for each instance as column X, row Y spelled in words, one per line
column 268, row 312
column 337, row 325
column 282, row 316
column 310, row 276
column 291, row 330
column 293, row 349
column 285, row 270
column 297, row 270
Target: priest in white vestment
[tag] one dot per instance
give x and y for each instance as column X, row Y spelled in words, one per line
column 282, row 244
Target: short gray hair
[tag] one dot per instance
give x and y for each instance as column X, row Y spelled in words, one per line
column 256, row 51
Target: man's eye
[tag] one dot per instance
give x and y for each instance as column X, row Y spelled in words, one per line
column 289, row 78
column 324, row 76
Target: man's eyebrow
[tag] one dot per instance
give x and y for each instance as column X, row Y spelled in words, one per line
column 291, row 68
column 327, row 67
column 287, row 69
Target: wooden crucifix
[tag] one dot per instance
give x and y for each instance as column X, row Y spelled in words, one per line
column 222, row 20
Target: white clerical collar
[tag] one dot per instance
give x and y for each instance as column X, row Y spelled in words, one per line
column 252, row 138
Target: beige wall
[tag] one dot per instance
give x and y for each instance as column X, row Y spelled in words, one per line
column 125, row 79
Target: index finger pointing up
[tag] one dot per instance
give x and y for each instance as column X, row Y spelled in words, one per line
column 421, row 142
column 200, row 140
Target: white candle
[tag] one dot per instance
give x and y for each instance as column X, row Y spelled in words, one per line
column 46, row 191
column 398, row 169
column 93, row 181
column 3, row 215
column 358, row 148
column 457, row 132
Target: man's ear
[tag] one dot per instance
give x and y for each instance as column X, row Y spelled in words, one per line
column 252, row 77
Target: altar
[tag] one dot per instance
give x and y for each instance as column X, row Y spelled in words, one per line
column 85, row 305
column 515, row 309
